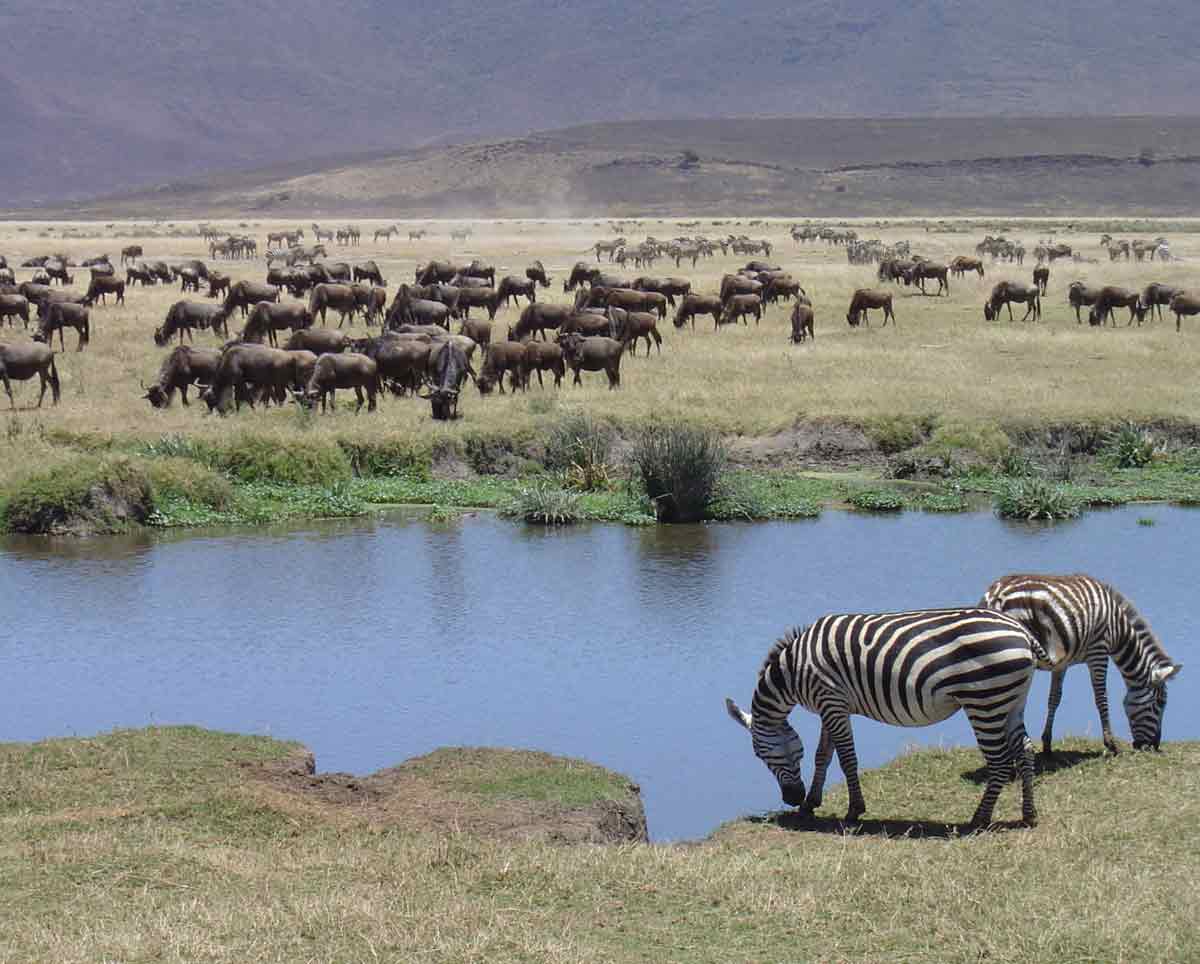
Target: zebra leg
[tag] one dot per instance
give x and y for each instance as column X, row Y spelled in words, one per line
column 836, row 723
column 1097, row 660
column 821, row 767
column 1056, row 687
column 1021, row 754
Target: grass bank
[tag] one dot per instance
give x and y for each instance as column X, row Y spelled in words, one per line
column 575, row 468
column 183, row 844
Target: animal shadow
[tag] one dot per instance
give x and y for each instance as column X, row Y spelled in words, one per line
column 800, row 822
column 1042, row 764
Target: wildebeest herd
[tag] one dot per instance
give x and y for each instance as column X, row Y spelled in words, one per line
column 287, row 350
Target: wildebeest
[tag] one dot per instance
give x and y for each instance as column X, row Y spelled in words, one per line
column 781, row 288
column 270, row 370
column 102, row 271
column 669, row 288
column 539, row 317
column 369, row 271
column 593, row 354
column 925, row 270
column 537, row 272
column 21, row 361
column 1114, row 296
column 638, row 324
column 739, row 306
column 1079, row 295
column 449, row 367
column 334, row 371
column 56, row 315
column 14, row 306
column 511, row 288
column 478, row 331
column 101, row 287
column 865, row 299
column 409, row 310
column 371, row 301
column 320, row 341
column 1155, row 295
column 183, row 367
column 131, row 252
column 246, row 294
column 503, row 357
column 802, row 323
column 57, row 271
column 218, row 284
column 487, row 298
column 434, row 271
column 339, row 297
column 693, row 305
column 140, row 274
column 1182, row 304
column 736, row 284
column 581, row 273
column 268, row 317
column 401, row 360
column 543, row 356
column 1041, row 278
column 183, row 316
column 1004, row 293
column 964, row 263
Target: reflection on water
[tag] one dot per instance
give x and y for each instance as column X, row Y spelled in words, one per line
column 375, row 640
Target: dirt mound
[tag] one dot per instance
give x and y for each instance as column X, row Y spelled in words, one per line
column 511, row 794
column 810, row 444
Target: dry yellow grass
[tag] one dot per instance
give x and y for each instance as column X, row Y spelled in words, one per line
column 942, row 359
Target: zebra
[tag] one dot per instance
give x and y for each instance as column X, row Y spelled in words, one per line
column 905, row 668
column 1079, row 619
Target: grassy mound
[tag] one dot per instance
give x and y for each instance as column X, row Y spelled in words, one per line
column 85, row 496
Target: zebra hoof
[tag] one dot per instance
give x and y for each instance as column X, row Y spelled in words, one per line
column 1030, row 820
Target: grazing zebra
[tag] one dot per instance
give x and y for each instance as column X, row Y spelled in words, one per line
column 1079, row 619
column 908, row 669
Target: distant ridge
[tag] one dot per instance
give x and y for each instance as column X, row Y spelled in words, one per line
column 784, row 167
column 121, row 94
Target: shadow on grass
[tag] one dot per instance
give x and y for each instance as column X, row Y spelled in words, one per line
column 800, row 822
column 1043, row 764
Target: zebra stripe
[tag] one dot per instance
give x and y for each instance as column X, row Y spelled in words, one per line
column 907, row 669
column 1079, row 619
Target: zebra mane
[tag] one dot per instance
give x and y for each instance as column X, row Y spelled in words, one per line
column 784, row 641
column 1141, row 629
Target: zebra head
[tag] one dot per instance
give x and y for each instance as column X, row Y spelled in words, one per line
column 780, row 748
column 1145, row 705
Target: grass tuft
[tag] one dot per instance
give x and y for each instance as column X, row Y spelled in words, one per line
column 544, row 503
column 1035, row 499
column 680, row 468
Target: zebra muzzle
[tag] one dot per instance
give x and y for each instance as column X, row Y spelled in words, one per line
column 793, row 794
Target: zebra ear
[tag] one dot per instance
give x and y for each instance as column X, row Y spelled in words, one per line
column 1160, row 674
column 738, row 716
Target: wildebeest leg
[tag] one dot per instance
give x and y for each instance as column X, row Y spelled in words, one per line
column 1008, row 305
column 8, row 389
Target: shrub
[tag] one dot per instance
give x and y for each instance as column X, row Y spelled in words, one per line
column 298, row 461
column 181, row 478
column 386, row 457
column 176, row 446
column 543, row 503
column 86, row 496
column 1128, row 447
column 580, row 447
column 680, row 468
column 895, row 433
column 877, row 500
column 1035, row 498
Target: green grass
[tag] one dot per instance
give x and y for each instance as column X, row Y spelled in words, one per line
column 154, row 844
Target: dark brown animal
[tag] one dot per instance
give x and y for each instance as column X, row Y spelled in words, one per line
column 103, row 286
column 865, row 299
column 537, row 272
column 269, row 317
column 1114, row 296
column 339, row 297
column 369, row 271
column 539, row 318
column 320, row 341
column 594, row 354
column 183, row 316
column 669, row 288
column 1155, row 296
column 183, row 367
column 542, row 356
column 1004, row 293
column 140, row 274
column 478, row 331
column 636, row 325
column 131, row 252
column 511, row 288
column 14, row 306
column 925, row 270
column 802, row 323
column 334, row 371
column 56, row 315
column 218, row 284
column 503, row 357
column 486, row 298
column 1183, row 304
column 964, row 263
column 21, row 361
column 272, row 371
column 449, row 367
column 402, row 360
column 736, row 284
column 693, row 305
column 1041, row 278
column 1079, row 295
column 739, row 306
column 246, row 294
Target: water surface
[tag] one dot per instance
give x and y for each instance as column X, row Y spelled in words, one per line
column 373, row 641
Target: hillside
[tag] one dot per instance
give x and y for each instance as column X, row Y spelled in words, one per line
column 848, row 167
column 135, row 93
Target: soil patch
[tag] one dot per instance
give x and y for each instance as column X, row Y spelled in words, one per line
column 510, row 794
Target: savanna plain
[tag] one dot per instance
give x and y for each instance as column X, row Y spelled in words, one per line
column 183, row 844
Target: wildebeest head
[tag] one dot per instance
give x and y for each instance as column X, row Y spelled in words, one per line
column 853, row 318
column 160, row 337
column 989, row 312
column 156, row 395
